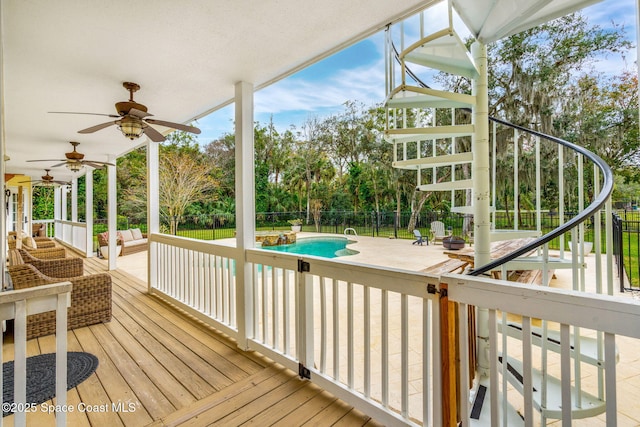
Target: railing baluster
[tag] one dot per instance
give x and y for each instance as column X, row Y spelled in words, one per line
column 610, row 367
column 275, row 307
column 336, row 331
column 404, row 330
column 350, row 336
column 323, row 326
column 385, row 348
column 286, row 311
column 463, row 344
column 565, row 369
column 367, row 341
column 527, row 374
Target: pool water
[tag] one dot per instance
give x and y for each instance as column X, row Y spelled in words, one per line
column 326, row 247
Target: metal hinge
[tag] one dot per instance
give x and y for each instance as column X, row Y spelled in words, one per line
column 303, row 372
column 303, row 266
column 432, row 289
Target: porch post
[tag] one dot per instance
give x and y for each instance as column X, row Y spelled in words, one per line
column 74, row 199
column 57, row 212
column 481, row 189
column 245, row 208
column 63, row 203
column 112, row 214
column 153, row 208
column 28, row 210
column 88, row 204
column 3, row 210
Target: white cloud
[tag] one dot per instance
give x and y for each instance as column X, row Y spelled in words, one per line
column 294, row 99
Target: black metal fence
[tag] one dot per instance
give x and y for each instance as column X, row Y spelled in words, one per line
column 375, row 224
column 626, row 244
column 626, row 228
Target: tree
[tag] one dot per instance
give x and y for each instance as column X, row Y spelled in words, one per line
column 185, row 177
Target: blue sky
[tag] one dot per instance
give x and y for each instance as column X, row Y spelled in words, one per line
column 357, row 73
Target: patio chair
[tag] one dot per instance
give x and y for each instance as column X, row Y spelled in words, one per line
column 90, row 299
column 48, row 253
column 59, row 267
column 419, row 240
column 437, row 231
column 31, row 242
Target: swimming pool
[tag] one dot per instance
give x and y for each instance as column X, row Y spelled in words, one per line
column 326, row 247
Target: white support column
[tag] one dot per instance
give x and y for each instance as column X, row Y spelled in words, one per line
column 481, row 190
column 153, row 208
column 63, row 203
column 88, row 204
column 57, row 212
column 28, row 207
column 3, row 151
column 112, row 214
column 481, row 176
column 74, row 199
column 245, row 207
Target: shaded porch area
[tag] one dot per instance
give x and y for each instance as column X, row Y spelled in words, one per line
column 163, row 368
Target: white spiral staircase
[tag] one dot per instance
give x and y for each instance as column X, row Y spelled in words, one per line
column 425, row 139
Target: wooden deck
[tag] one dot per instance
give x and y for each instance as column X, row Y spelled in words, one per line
column 166, row 369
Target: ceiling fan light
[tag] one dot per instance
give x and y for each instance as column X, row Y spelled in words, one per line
column 131, row 128
column 74, row 167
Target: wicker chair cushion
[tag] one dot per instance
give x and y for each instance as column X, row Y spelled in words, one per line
column 57, row 267
column 29, row 242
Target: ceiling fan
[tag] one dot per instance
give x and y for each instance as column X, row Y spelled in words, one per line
column 133, row 119
column 75, row 160
column 46, row 181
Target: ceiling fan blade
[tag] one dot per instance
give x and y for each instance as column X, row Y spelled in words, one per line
column 97, row 127
column 96, row 164
column 139, row 113
column 153, row 134
column 47, row 160
column 61, row 182
column 92, row 164
column 178, row 126
column 89, row 114
column 59, row 164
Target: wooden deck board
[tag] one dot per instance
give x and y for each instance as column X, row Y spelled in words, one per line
column 178, row 371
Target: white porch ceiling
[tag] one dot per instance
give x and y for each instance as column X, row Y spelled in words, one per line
column 70, row 55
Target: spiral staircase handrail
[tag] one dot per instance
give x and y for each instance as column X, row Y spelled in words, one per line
column 597, row 204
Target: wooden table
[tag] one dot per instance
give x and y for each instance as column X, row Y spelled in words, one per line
column 498, row 250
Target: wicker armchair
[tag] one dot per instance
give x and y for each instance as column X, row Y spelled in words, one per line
column 41, row 242
column 59, row 267
column 49, row 253
column 90, row 299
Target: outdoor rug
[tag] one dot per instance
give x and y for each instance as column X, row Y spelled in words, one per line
column 41, row 376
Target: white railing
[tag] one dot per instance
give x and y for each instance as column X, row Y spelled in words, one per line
column 605, row 316
column 199, row 277
column 365, row 334
column 73, row 234
column 372, row 336
column 352, row 328
column 18, row 305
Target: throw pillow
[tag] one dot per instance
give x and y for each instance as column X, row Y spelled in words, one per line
column 29, row 242
column 126, row 235
column 136, row 233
